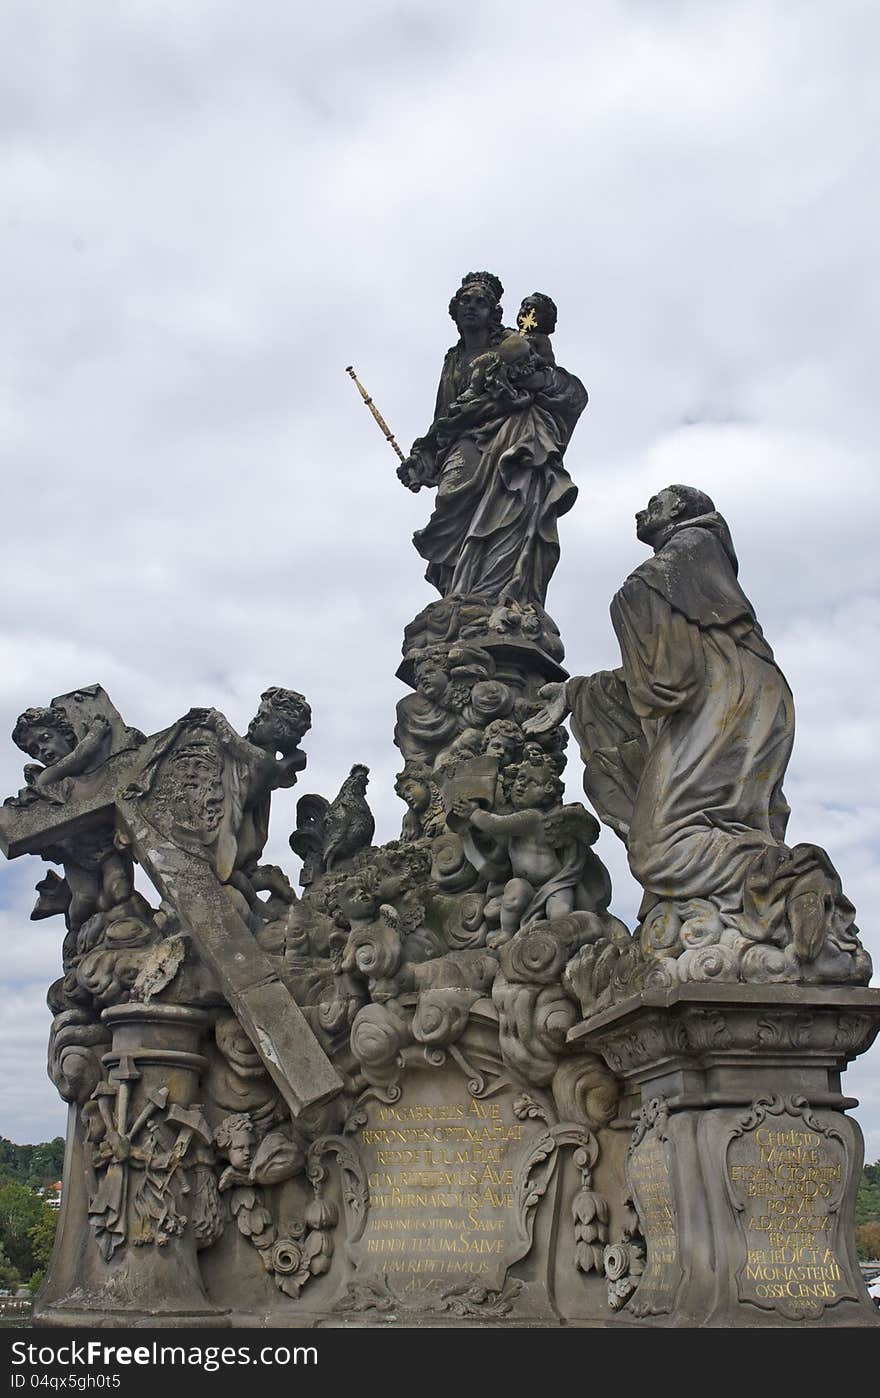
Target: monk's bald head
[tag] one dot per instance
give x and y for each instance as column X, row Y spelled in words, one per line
column 670, row 506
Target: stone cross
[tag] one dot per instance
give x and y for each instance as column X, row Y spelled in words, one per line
column 259, row 998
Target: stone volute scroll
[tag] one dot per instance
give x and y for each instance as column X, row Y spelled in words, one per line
column 433, row 1079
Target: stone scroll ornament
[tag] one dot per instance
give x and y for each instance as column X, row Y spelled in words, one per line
column 685, row 749
column 644, row 1268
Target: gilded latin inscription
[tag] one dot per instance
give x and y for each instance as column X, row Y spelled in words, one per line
column 651, row 1186
column 440, row 1177
column 787, row 1180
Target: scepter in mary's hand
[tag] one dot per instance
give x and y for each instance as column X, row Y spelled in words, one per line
column 383, row 425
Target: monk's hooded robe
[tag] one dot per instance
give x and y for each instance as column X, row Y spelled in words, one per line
column 687, row 743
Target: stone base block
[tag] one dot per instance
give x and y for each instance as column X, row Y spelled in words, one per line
column 743, row 1167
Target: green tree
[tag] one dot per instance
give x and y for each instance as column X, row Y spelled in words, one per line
column 42, row 1237
column 20, row 1211
column 868, row 1241
column 9, row 1276
column 46, row 1163
column 35, row 1166
column 868, row 1197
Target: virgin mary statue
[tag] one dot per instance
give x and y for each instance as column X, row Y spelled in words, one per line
column 504, row 416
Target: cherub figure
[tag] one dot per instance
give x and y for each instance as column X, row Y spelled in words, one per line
column 430, row 719
column 550, row 748
column 374, row 946
column 507, row 375
column 48, row 735
column 426, row 816
column 74, row 736
column 236, row 1139
column 536, row 321
column 503, row 740
column 467, row 745
column 546, row 847
column 455, row 690
column 96, row 874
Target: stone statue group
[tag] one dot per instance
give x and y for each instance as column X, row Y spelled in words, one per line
column 685, row 746
column 219, row 1044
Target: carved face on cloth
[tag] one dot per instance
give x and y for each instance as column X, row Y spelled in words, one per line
column 195, row 784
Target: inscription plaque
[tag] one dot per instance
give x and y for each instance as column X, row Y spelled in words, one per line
column 440, row 1174
column 453, row 1180
column 786, row 1175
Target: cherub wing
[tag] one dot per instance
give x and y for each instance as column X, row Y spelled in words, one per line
column 390, row 916
column 571, row 823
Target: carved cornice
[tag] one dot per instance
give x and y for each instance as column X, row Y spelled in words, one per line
column 697, row 1032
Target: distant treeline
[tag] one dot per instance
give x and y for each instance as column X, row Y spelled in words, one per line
column 868, row 1201
column 35, row 1166
column 27, row 1224
column 868, row 1214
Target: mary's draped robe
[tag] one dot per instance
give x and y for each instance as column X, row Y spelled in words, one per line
column 501, row 486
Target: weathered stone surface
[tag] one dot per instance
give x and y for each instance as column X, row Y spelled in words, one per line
column 112, row 795
column 251, row 983
column 373, row 1104
column 141, row 1147
column 750, row 1031
column 743, row 1165
column 685, row 750
column 504, row 416
column 453, row 1181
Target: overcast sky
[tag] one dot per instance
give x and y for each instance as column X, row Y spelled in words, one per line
column 211, row 208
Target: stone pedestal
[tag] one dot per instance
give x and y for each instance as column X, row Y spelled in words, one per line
column 743, row 1166
column 472, row 1182
column 136, row 1205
